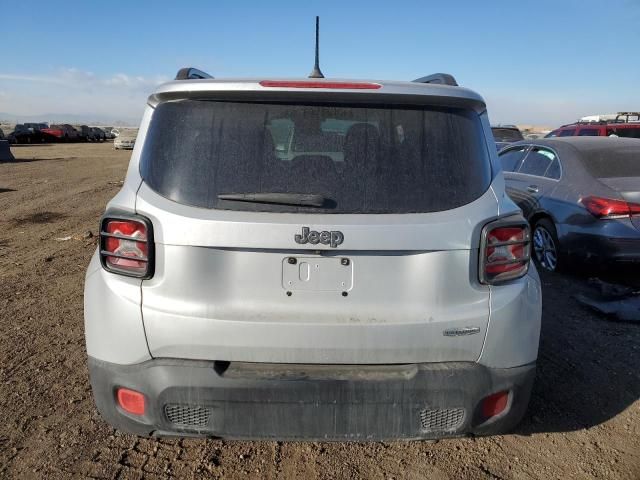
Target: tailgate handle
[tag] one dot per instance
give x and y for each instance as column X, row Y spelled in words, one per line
column 533, row 188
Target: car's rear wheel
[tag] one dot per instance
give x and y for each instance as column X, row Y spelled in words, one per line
column 546, row 248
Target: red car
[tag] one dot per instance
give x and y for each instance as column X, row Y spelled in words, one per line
column 61, row 133
column 626, row 124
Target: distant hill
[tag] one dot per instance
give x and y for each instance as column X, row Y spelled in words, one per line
column 77, row 119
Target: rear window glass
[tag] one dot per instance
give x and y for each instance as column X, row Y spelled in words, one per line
column 629, row 132
column 360, row 159
column 613, row 163
column 507, row 134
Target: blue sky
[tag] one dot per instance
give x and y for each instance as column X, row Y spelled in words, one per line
column 543, row 62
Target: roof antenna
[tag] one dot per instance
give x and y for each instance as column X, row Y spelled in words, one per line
column 316, row 73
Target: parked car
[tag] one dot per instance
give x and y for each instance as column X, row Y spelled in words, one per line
column 125, row 141
column 84, row 133
column 61, row 133
column 36, row 126
column 24, row 134
column 506, row 134
column 313, row 259
column 581, row 196
column 625, row 124
column 108, row 134
column 532, row 136
column 98, row 134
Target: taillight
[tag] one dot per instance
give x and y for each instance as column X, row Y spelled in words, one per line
column 610, row 208
column 327, row 84
column 504, row 250
column 126, row 245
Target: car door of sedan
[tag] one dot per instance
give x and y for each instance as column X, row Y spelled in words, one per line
column 534, row 176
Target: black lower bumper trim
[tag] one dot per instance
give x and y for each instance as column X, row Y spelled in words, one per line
column 310, row 402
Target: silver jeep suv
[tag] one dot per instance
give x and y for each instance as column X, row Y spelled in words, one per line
column 313, row 259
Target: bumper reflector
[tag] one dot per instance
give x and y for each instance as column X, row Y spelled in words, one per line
column 131, row 401
column 495, row 404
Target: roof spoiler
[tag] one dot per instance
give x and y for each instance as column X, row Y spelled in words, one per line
column 439, row 78
column 190, row 73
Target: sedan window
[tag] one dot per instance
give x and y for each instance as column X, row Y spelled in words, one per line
column 567, row 133
column 538, row 162
column 588, row 132
column 510, row 159
column 553, row 171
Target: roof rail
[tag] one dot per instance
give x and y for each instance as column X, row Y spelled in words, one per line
column 618, row 121
column 440, row 78
column 190, row 73
column 610, row 118
column 592, row 122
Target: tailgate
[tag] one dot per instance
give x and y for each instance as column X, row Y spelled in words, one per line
column 235, row 286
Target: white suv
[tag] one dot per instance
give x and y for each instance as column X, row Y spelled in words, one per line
column 313, row 259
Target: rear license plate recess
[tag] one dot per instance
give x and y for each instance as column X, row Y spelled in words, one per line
column 320, row 274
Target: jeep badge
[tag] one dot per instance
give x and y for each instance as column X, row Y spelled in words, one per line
column 332, row 238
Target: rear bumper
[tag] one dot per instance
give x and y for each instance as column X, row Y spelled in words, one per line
column 606, row 249
column 310, row 402
column 608, row 241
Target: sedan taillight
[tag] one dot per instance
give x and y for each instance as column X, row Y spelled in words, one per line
column 126, row 245
column 504, row 250
column 609, row 207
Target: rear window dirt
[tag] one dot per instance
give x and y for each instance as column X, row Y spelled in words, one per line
column 613, row 163
column 363, row 159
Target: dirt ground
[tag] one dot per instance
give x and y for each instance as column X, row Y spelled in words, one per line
column 583, row 420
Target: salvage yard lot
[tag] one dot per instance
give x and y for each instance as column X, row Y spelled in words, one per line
column 583, row 420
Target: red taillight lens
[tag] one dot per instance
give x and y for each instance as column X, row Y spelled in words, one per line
column 610, row 208
column 125, row 246
column 495, row 404
column 329, row 85
column 130, row 401
column 504, row 251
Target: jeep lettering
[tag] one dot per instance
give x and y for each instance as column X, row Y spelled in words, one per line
column 333, row 238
